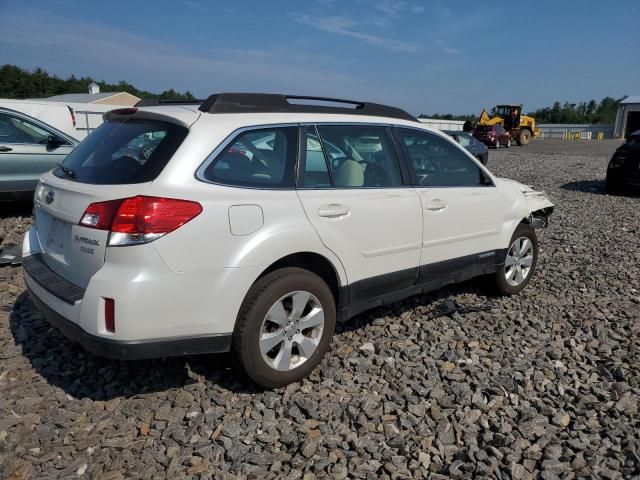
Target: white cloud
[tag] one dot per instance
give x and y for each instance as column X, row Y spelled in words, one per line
column 344, row 25
column 446, row 48
column 392, row 8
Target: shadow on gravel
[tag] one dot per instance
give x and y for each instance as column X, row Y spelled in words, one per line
column 21, row 208
column 586, row 186
column 79, row 373
column 597, row 187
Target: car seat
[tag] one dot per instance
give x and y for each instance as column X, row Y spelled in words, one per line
column 349, row 174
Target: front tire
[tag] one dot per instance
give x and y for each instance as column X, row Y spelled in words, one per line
column 524, row 137
column 520, row 261
column 611, row 186
column 284, row 326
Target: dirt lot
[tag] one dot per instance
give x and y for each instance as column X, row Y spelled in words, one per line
column 451, row 384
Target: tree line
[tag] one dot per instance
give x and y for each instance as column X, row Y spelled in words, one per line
column 594, row 112
column 16, row 82
column 602, row 112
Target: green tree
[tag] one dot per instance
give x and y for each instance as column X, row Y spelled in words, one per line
column 16, row 82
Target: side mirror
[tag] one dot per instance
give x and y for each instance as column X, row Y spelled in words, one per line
column 54, row 142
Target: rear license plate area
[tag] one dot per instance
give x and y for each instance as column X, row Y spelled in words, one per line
column 58, row 237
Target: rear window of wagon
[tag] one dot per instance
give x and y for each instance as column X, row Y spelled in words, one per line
column 123, row 152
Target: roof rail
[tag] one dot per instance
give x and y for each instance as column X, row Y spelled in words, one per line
column 273, row 102
column 154, row 102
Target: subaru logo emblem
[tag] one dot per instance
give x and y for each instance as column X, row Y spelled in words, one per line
column 49, row 196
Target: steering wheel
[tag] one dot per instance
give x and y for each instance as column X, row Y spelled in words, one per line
column 146, row 151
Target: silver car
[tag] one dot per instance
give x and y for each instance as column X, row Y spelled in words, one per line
column 28, row 148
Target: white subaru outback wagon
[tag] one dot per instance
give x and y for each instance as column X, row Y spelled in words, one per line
column 251, row 222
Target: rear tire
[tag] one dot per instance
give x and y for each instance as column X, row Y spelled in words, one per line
column 520, row 261
column 524, row 137
column 277, row 341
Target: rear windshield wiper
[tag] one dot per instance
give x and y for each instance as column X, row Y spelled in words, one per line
column 67, row 171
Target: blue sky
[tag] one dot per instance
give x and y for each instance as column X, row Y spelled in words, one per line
column 424, row 56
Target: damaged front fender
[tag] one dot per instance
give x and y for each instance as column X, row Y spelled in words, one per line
column 530, row 206
column 539, row 218
column 539, row 206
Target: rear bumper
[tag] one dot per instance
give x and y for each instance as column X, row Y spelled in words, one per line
column 158, row 312
column 132, row 350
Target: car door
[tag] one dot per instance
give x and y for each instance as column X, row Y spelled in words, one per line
column 26, row 151
column 463, row 210
column 359, row 201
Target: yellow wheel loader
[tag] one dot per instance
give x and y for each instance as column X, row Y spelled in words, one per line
column 521, row 127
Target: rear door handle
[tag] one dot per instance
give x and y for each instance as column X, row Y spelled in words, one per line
column 333, row 210
column 436, row 204
column 5, row 149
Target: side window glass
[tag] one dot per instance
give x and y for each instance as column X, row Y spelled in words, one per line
column 316, row 173
column 15, row 129
column 437, row 162
column 262, row 158
column 464, row 140
column 360, row 156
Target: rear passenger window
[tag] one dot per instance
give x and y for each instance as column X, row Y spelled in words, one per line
column 436, row 162
column 360, row 156
column 262, row 158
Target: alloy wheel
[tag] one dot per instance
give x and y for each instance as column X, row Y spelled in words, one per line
column 517, row 265
column 291, row 330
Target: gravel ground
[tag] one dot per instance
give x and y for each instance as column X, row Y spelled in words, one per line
column 453, row 384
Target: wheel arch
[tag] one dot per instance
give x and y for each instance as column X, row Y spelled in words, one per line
column 315, row 263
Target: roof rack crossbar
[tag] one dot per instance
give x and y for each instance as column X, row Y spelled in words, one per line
column 154, row 102
column 272, row 102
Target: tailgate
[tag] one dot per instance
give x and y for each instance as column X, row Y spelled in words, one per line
column 73, row 251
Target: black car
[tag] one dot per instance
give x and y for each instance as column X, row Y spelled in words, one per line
column 624, row 167
column 475, row 147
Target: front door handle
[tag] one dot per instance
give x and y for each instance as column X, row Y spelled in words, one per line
column 5, row 149
column 333, row 210
column 436, row 204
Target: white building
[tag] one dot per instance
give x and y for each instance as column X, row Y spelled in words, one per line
column 628, row 117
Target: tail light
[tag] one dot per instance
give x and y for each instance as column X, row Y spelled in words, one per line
column 140, row 219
